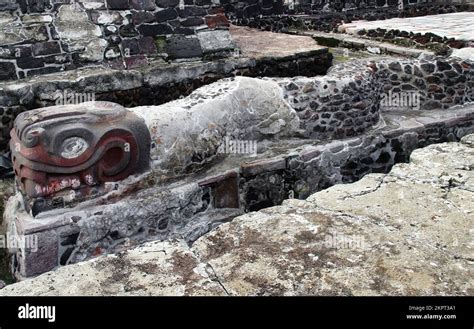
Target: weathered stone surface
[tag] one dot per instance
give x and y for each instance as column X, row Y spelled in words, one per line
column 190, row 11
column 260, row 44
column 46, row 48
column 166, row 14
column 13, row 34
column 106, row 17
column 72, row 23
column 94, row 50
column 408, row 232
column 7, row 71
column 464, row 53
column 91, row 4
column 451, row 25
column 36, row 19
column 183, row 47
column 143, row 4
column 192, row 21
column 8, row 5
column 188, row 132
column 157, row 268
column 215, row 41
column 166, row 3
column 155, row 29
column 219, row 20
column 117, row 4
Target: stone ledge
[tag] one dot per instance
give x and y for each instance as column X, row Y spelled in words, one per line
column 350, row 41
column 352, row 239
column 187, row 210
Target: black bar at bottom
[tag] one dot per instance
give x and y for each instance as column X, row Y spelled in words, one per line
column 323, row 312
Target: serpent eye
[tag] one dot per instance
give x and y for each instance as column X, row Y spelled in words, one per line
column 73, row 147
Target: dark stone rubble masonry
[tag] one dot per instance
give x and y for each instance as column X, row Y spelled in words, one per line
column 143, row 4
column 183, row 47
column 166, row 14
column 147, row 18
column 130, row 31
column 203, row 2
column 147, row 45
column 192, row 11
column 135, row 61
column 130, row 47
column 252, row 11
column 8, row 5
column 192, row 21
column 117, row 4
column 140, row 17
column 167, row 3
column 184, row 30
column 155, row 29
column 46, row 48
column 29, row 63
column 44, row 70
column 7, row 71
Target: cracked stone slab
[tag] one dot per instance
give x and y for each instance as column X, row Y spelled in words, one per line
column 408, row 232
column 155, row 268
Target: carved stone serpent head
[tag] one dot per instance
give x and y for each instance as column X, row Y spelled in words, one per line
column 68, row 152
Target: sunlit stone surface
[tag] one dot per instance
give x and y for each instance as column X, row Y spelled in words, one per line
column 454, row 25
column 408, row 232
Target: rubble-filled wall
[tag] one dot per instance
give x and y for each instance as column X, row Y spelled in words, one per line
column 343, row 5
column 273, row 162
column 45, row 36
column 327, row 15
column 348, row 100
column 253, row 8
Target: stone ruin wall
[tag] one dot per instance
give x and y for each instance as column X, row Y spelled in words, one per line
column 324, row 15
column 50, row 36
column 347, row 101
column 314, row 6
column 189, row 208
column 46, row 36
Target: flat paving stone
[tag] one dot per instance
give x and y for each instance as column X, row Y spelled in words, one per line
column 261, row 44
column 454, row 25
column 351, row 41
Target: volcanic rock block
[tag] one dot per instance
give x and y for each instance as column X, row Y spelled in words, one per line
column 66, row 153
column 187, row 133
